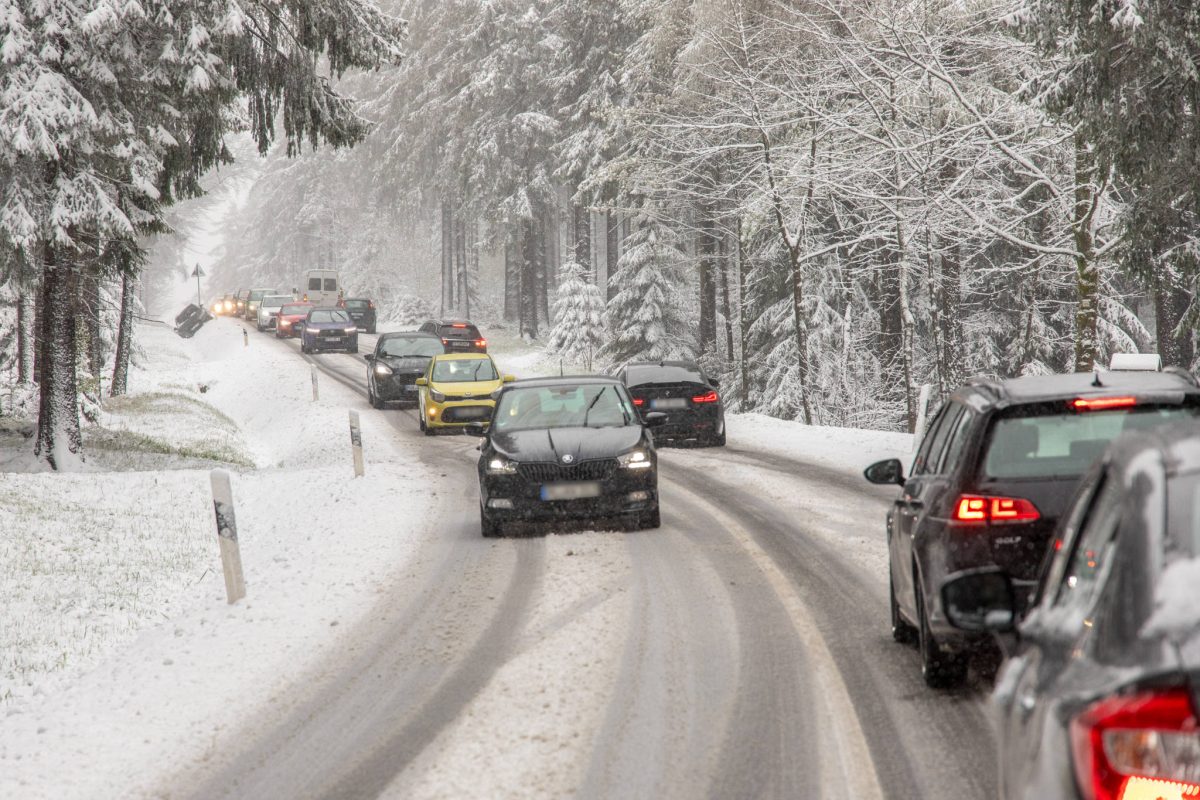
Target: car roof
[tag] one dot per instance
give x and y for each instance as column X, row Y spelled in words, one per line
column 453, row 321
column 566, row 380
column 409, row 335
column 1040, row 388
column 684, row 364
column 460, row 356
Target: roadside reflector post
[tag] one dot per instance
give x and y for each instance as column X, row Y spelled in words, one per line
column 356, row 443
column 245, row 338
column 316, row 393
column 231, row 555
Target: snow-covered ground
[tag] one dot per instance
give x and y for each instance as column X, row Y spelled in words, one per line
column 117, row 648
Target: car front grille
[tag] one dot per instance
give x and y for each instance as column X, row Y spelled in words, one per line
column 596, row 470
column 454, row 398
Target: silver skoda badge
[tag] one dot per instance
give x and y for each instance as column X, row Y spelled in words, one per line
column 568, row 458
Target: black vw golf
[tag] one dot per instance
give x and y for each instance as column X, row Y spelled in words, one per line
column 1099, row 699
column 570, row 447
column 399, row 359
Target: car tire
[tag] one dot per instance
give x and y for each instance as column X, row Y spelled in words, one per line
column 940, row 670
column 718, row 440
column 901, row 631
column 488, row 526
column 373, row 398
column 650, row 520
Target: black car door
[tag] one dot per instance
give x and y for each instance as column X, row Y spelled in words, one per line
column 1053, row 654
column 910, row 504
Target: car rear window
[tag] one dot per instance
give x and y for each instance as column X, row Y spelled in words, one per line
column 456, row 332
column 635, row 376
column 356, row 304
column 295, row 309
column 1063, row 444
column 314, row 284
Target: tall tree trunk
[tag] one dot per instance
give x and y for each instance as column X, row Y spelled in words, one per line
column 25, row 334
column 743, row 320
column 512, row 283
column 582, row 236
column 460, row 265
column 612, row 252
column 447, row 301
column 726, row 309
column 59, row 440
column 89, row 307
column 542, row 271
column 1170, row 306
column 120, row 378
column 1087, row 271
column 706, row 247
column 532, row 249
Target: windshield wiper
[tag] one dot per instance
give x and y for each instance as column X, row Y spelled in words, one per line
column 592, row 404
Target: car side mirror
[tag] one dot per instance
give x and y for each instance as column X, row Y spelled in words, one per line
column 714, row 383
column 369, row 357
column 654, row 419
column 885, row 473
column 421, row 382
column 509, row 378
column 980, row 601
column 475, row 429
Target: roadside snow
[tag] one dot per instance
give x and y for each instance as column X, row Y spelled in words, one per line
column 843, row 449
column 127, row 658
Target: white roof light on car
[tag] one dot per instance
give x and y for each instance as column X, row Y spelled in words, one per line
column 1136, row 362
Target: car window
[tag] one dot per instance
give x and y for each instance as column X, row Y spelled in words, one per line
column 356, row 304
column 460, row 331
column 276, row 301
column 463, row 370
column 934, row 438
column 637, row 375
column 957, row 440
column 300, row 308
column 1036, row 443
column 331, row 284
column 404, row 347
column 589, row 405
column 328, row 315
column 314, row 284
column 1090, row 551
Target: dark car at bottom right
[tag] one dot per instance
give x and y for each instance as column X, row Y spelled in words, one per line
column 681, row 390
column 990, row 481
column 1100, row 695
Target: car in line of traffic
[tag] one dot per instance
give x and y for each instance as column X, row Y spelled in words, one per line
column 681, row 389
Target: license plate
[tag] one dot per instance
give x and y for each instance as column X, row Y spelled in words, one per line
column 460, row 344
column 469, row 411
column 331, row 339
column 668, row 404
column 409, row 387
column 576, row 490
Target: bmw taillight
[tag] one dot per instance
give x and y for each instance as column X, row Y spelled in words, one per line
column 1143, row 745
column 639, row 401
column 445, row 340
column 709, row 397
column 481, row 342
column 974, row 509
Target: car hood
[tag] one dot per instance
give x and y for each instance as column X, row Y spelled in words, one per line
column 581, row 444
column 406, row 363
column 473, row 388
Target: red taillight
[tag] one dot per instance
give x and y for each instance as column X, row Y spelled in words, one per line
column 970, row 508
column 458, row 325
column 638, row 401
column 370, row 304
column 445, row 340
column 481, row 342
column 711, row 397
column 1102, row 403
column 1137, row 746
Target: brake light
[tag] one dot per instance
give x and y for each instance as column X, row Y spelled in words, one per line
column 1102, row 403
column 458, row 325
column 710, row 397
column 445, row 340
column 370, row 304
column 639, row 401
column 970, row 508
column 1138, row 746
column 481, row 342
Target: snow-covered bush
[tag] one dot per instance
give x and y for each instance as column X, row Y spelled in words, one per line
column 578, row 331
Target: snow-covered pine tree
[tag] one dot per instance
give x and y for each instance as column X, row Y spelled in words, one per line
column 644, row 319
column 578, row 332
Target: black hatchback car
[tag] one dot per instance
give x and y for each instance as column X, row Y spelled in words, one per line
column 991, row 478
column 680, row 389
column 459, row 335
column 398, row 360
column 1099, row 698
column 362, row 311
column 569, row 447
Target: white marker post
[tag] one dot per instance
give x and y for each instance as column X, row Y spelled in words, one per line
column 356, row 443
column 316, row 394
column 231, row 555
column 245, row 338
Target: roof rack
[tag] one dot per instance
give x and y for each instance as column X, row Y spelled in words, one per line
column 1180, row 372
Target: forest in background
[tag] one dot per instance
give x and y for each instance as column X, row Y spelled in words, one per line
column 829, row 203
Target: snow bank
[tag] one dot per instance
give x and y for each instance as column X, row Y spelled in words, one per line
column 844, row 449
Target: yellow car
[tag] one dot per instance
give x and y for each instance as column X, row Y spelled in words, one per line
column 456, row 389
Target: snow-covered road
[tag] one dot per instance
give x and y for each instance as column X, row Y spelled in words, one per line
column 740, row 651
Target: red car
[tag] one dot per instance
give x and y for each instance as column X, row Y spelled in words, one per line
column 291, row 319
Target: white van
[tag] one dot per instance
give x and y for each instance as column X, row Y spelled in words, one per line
column 321, row 287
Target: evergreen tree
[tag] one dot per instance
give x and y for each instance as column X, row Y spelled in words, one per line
column 644, row 318
column 578, row 316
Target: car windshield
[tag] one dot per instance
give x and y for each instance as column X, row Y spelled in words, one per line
column 1064, row 445
column 464, row 370
column 356, row 304
column 460, row 331
column 654, row 373
column 328, row 315
column 408, row 347
column 590, row 405
column 295, row 309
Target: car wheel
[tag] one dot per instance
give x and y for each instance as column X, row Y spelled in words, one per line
column 650, row 520
column 718, row 440
column 374, row 398
column 940, row 670
column 488, row 526
column 901, row 631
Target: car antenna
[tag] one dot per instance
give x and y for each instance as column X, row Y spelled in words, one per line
column 560, row 368
column 1096, row 378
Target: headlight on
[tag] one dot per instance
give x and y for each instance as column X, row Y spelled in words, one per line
column 382, row 369
column 499, row 465
column 437, row 396
column 637, row 459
